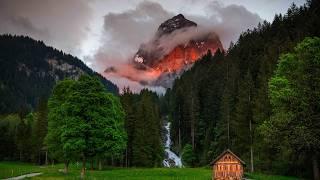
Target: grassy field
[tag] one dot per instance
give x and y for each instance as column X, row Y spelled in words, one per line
column 10, row 169
column 269, row 177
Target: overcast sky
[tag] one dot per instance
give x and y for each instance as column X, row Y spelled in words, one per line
column 106, row 33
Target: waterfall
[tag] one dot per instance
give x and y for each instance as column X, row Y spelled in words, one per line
column 171, row 159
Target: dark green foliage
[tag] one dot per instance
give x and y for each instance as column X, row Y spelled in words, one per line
column 295, row 98
column 188, row 156
column 8, row 146
column 221, row 96
column 143, row 124
column 85, row 121
column 40, row 125
column 23, row 136
column 29, row 69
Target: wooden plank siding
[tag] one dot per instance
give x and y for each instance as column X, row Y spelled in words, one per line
column 227, row 167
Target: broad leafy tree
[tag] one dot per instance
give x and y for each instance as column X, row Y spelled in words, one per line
column 85, row 121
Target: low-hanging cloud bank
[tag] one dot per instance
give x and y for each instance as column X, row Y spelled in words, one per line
column 125, row 32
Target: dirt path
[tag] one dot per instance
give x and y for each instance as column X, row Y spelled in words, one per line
column 24, row 176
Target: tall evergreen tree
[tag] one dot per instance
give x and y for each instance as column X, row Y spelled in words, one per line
column 244, row 123
column 40, row 128
column 147, row 147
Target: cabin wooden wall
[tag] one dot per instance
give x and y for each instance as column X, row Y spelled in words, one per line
column 227, row 167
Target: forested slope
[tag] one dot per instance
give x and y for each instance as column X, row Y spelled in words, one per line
column 29, row 69
column 223, row 100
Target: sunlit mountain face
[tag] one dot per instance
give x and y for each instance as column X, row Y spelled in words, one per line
column 176, row 45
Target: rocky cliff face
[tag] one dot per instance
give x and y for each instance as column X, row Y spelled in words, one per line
column 29, row 69
column 177, row 44
column 177, row 22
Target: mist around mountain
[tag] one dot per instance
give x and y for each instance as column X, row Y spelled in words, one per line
column 174, row 48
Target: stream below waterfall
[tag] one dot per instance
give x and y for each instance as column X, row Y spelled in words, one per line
column 171, row 159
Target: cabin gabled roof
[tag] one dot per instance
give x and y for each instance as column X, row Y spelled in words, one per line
column 222, row 154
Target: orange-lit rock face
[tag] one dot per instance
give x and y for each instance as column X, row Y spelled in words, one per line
column 183, row 55
column 177, row 44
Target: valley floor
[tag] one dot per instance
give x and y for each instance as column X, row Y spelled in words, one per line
column 12, row 169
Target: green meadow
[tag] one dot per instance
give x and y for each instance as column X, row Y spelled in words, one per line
column 12, row 169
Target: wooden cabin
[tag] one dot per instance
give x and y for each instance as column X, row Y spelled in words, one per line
column 227, row 166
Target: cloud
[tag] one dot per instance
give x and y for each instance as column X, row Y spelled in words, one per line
column 25, row 25
column 124, row 33
column 158, row 47
column 67, row 25
column 227, row 21
column 60, row 24
column 134, row 85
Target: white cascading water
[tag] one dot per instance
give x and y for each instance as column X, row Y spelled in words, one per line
column 170, row 156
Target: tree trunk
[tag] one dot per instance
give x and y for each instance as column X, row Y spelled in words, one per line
column 66, row 167
column 39, row 157
column 228, row 121
column 83, row 170
column 46, row 163
column 20, row 156
column 251, row 138
column 192, row 123
column 91, row 164
column 127, row 157
column 251, row 158
column 315, row 166
column 251, row 147
column 228, row 113
column 100, row 164
column 179, row 138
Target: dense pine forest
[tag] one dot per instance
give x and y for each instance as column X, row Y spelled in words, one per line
column 259, row 98
column 224, row 101
column 143, row 124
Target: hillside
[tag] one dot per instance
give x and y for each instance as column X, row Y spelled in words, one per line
column 29, row 69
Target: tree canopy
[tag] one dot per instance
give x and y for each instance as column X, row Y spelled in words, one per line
column 85, row 121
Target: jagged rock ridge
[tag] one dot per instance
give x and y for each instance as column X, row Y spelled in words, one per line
column 177, row 22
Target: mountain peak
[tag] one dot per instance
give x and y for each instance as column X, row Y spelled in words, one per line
column 177, row 44
column 179, row 16
column 176, row 22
